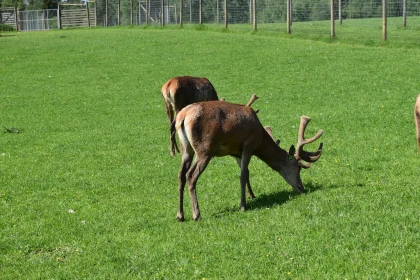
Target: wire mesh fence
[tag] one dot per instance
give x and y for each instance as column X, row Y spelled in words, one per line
column 353, row 19
column 38, row 20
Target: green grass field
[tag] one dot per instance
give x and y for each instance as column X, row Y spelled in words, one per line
column 88, row 189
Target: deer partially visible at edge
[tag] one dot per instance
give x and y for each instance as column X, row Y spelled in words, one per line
column 417, row 120
column 207, row 130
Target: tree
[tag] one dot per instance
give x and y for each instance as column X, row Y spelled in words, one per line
column 13, row 3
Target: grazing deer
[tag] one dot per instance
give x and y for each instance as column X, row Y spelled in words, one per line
column 207, row 130
column 417, row 120
column 181, row 91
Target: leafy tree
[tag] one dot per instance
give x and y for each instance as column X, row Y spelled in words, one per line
column 42, row 4
column 13, row 3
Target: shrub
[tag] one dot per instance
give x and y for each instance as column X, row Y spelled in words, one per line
column 5, row 27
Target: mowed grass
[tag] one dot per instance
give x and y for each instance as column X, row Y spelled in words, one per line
column 88, row 189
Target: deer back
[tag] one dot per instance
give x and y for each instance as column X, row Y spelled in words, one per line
column 219, row 128
column 185, row 90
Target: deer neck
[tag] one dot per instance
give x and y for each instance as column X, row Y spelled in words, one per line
column 271, row 153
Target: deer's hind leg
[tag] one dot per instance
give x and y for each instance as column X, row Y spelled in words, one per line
column 170, row 112
column 193, row 174
column 182, row 179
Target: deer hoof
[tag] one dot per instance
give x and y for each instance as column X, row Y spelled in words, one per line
column 180, row 218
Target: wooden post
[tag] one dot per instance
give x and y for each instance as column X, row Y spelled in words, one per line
column 59, row 17
column 226, row 15
column 250, row 11
column 16, row 11
column 291, row 12
column 201, row 12
column 162, row 4
column 384, row 21
column 118, row 12
column 254, row 13
column 147, row 11
column 87, row 13
column 404, row 13
column 180, row 12
column 340, row 13
column 106, row 12
column 96, row 12
column 217, row 11
column 332, row 20
column 131, row 12
column 288, row 16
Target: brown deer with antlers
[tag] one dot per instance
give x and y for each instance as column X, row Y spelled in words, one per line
column 417, row 120
column 207, row 130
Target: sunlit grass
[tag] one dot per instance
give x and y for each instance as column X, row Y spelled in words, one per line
column 88, row 189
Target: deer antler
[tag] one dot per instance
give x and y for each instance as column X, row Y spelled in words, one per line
column 301, row 154
column 270, row 132
column 253, row 98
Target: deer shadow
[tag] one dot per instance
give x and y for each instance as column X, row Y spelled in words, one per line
column 264, row 201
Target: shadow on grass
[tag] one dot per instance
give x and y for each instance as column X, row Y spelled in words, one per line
column 278, row 198
column 264, row 201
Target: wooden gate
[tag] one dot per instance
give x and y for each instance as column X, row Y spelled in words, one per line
column 9, row 16
column 77, row 15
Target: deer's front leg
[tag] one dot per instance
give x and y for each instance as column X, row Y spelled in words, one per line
column 248, row 184
column 245, row 159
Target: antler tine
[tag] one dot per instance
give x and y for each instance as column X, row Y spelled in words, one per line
column 253, row 98
column 270, row 132
column 304, row 120
column 301, row 154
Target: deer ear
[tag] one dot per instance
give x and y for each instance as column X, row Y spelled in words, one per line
column 292, row 152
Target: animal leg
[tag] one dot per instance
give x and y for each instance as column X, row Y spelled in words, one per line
column 245, row 159
column 195, row 171
column 185, row 165
column 248, row 184
column 174, row 145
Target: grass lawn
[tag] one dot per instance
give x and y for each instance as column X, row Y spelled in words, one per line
column 88, row 189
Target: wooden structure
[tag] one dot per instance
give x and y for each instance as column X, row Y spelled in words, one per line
column 10, row 17
column 76, row 15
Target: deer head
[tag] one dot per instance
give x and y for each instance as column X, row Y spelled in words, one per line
column 299, row 158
